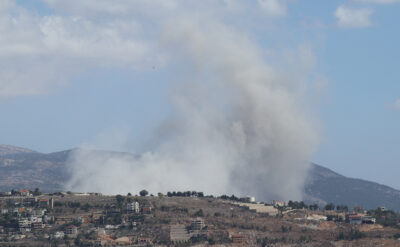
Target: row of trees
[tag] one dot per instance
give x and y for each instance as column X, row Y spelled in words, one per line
column 297, row 205
column 235, row 198
column 173, row 194
column 185, row 194
column 329, row 206
column 340, row 208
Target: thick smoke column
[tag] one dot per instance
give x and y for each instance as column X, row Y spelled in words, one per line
column 238, row 126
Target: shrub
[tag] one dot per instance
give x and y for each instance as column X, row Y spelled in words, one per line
column 199, row 213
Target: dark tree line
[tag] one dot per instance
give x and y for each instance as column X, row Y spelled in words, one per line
column 235, row 198
column 297, row 205
column 185, row 194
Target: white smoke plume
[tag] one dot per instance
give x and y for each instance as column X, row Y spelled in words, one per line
column 238, row 125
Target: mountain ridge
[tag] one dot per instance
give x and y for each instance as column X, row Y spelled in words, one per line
column 324, row 186
column 9, row 149
column 24, row 168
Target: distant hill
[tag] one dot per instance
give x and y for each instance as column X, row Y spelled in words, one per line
column 23, row 168
column 8, row 149
column 324, row 186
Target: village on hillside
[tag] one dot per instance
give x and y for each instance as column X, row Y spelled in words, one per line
column 31, row 218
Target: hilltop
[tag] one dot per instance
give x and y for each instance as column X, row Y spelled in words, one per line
column 8, row 150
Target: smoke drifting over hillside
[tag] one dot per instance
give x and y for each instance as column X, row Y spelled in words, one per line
column 238, row 125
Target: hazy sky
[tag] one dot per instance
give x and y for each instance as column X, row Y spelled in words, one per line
column 75, row 72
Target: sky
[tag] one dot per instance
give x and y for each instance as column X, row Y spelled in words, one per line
column 83, row 72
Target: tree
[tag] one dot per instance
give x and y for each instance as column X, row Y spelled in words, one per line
column 129, row 194
column 297, row 205
column 86, row 207
column 330, row 206
column 342, row 208
column 234, row 198
column 143, row 193
column 199, row 213
column 120, row 199
column 36, row 192
column 314, row 207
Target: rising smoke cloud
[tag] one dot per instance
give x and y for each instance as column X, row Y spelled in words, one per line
column 238, row 124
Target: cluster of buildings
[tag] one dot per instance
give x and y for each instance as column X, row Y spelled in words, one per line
column 33, row 215
column 29, row 211
column 356, row 217
column 34, row 220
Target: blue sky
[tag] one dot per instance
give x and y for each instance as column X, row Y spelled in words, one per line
column 77, row 98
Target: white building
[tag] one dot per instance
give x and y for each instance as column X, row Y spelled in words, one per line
column 133, row 207
column 38, row 212
column 197, row 224
column 24, row 223
column 33, row 219
column 58, row 235
column 366, row 219
column 279, row 203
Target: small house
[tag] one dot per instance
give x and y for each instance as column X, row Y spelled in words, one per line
column 37, row 226
column 197, row 224
column 24, row 192
column 355, row 219
column 368, row 219
column 147, row 209
column 238, row 239
column 71, row 231
column 144, row 241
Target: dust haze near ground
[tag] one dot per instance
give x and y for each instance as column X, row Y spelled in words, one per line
column 238, row 125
